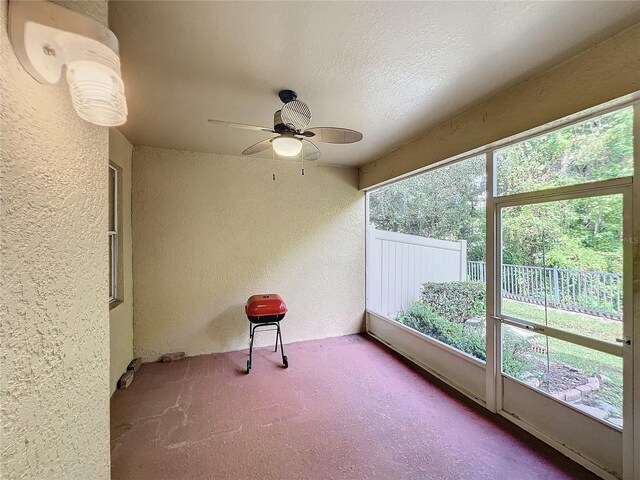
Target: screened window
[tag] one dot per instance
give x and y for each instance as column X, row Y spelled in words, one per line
column 600, row 148
column 427, row 254
column 562, row 268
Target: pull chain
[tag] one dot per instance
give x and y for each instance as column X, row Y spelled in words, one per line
column 273, row 156
column 302, row 162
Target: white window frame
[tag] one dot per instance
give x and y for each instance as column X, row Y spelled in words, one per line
column 113, row 239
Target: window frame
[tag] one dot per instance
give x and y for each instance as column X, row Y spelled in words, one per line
column 368, row 282
column 115, row 296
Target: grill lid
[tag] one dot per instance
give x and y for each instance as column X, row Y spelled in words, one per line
column 265, row 304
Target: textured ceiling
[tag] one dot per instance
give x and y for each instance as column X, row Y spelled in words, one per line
column 388, row 69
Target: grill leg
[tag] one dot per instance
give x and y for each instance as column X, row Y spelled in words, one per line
column 277, row 336
column 285, row 361
column 251, row 333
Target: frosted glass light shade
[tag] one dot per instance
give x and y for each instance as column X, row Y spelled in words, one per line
column 97, row 93
column 93, row 75
column 286, row 146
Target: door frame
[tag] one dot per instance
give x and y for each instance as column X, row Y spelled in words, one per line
column 495, row 320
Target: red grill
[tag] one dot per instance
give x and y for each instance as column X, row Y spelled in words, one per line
column 259, row 308
column 262, row 311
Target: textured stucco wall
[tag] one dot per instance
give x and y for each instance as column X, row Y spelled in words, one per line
column 121, row 316
column 54, row 326
column 211, row 230
column 609, row 70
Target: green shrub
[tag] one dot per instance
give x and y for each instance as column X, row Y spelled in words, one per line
column 470, row 339
column 455, row 301
column 420, row 317
column 467, row 338
column 473, row 341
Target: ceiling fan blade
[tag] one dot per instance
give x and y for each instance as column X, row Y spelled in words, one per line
column 240, row 125
column 310, row 151
column 258, row 147
column 335, row 135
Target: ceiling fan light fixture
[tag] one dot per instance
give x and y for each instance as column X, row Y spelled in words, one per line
column 286, row 146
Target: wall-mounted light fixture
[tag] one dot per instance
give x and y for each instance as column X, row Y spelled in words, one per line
column 46, row 37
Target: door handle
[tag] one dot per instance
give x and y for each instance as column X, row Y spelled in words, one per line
column 624, row 340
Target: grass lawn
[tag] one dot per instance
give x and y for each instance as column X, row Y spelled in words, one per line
column 582, row 324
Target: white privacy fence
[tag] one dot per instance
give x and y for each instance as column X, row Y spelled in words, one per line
column 398, row 264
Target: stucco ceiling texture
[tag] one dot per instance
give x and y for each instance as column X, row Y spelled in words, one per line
column 390, row 70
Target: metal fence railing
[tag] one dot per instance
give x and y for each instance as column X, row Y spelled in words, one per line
column 594, row 293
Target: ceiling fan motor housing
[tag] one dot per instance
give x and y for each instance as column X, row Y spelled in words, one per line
column 278, row 124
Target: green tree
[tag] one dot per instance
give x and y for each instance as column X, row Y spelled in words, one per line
column 449, row 202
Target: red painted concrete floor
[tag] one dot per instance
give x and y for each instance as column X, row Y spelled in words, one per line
column 346, row 408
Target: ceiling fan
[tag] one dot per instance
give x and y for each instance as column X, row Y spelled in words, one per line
column 292, row 135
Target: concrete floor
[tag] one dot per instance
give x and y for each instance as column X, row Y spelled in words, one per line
column 346, row 408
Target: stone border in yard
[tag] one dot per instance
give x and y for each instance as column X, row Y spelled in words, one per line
column 575, row 394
